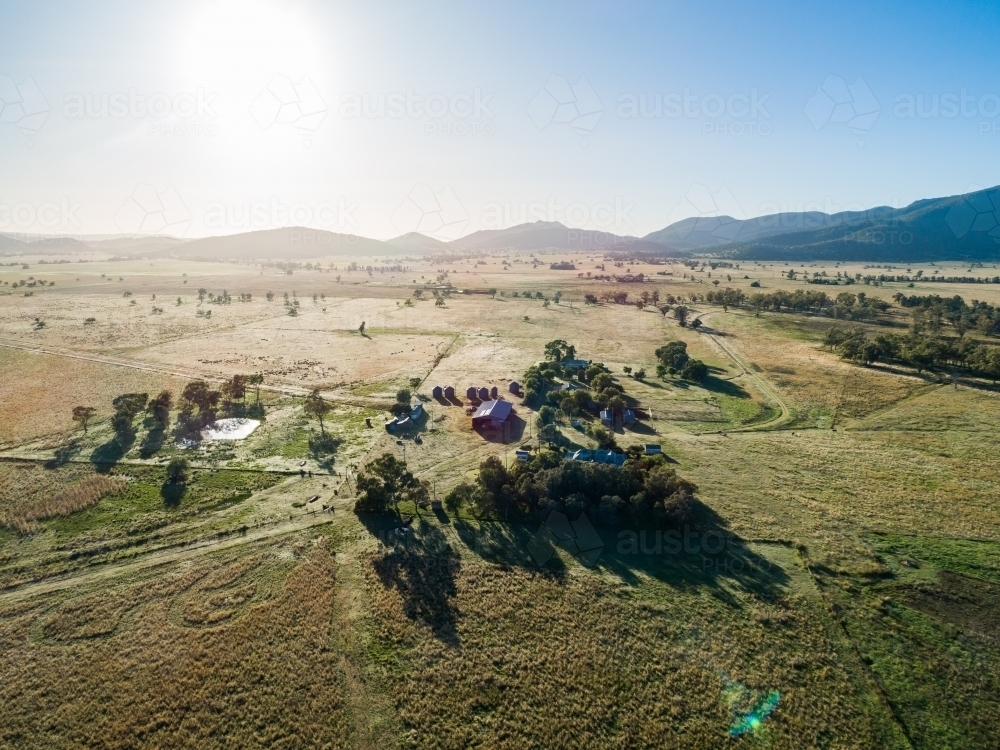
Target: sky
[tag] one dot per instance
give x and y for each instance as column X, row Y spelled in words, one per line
column 379, row 118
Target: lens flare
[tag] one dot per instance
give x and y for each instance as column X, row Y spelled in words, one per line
column 752, row 721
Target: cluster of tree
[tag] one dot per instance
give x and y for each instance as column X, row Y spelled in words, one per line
column 674, row 360
column 384, row 483
column 845, row 306
column 644, row 491
column 200, row 405
column 883, row 278
column 929, row 312
column 127, row 407
column 919, row 350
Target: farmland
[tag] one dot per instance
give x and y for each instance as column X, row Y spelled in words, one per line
column 859, row 582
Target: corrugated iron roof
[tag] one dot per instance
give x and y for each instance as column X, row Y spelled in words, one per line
column 499, row 410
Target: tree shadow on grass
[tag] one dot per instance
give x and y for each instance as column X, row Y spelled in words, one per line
column 704, row 554
column 725, row 387
column 106, row 456
column 172, row 493
column 323, row 450
column 152, row 443
column 64, row 454
column 422, row 567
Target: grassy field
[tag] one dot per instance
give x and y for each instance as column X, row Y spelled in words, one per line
column 853, row 606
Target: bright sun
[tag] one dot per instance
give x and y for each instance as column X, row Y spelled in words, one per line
column 230, row 42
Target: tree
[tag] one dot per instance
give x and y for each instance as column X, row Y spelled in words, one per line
column 673, row 354
column 590, row 299
column 384, row 482
column 462, row 495
column 256, row 380
column 177, row 470
column 235, row 389
column 82, row 416
column 493, row 292
column 558, row 350
column 695, row 370
column 546, row 415
column 159, row 408
column 640, row 374
column 316, row 407
column 127, row 406
column 361, row 328
column 681, row 314
column 696, row 323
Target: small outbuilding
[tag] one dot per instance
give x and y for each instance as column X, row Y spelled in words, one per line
column 493, row 393
column 628, row 417
column 417, row 412
column 514, row 387
column 449, row 392
column 652, row 449
column 607, row 418
column 522, row 455
column 391, row 424
column 575, row 364
column 437, row 392
column 484, row 394
column 471, row 392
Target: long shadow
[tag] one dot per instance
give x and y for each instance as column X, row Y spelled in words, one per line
column 152, row 443
column 323, row 449
column 422, row 567
column 727, row 387
column 104, row 457
column 641, row 428
column 704, row 554
column 172, row 494
column 64, row 454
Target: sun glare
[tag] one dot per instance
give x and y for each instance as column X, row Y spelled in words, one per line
column 231, row 42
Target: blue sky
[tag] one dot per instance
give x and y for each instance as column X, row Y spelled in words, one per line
column 268, row 113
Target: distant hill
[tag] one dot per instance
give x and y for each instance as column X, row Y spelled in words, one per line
column 551, row 235
column 277, row 244
column 960, row 227
column 417, row 243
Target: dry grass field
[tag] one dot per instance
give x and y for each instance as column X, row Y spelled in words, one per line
column 254, row 609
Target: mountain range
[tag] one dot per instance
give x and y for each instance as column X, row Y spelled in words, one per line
column 959, row 227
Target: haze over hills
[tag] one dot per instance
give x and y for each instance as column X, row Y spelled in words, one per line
column 965, row 227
